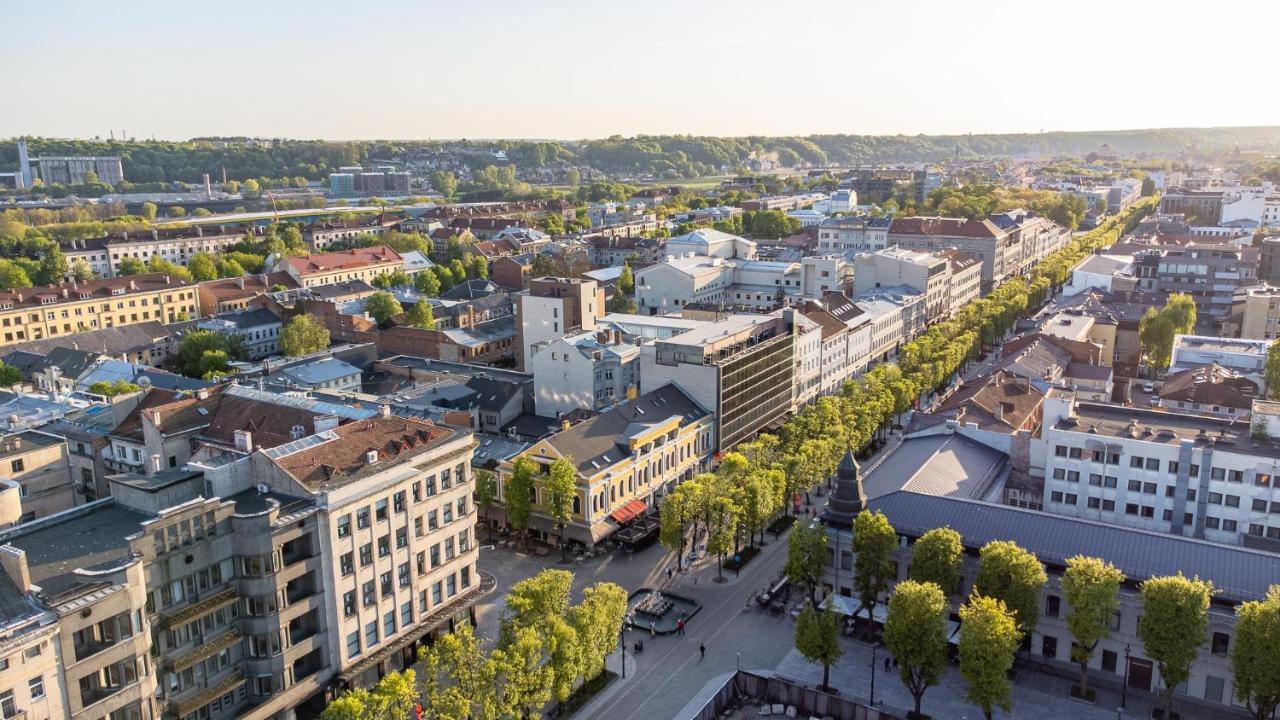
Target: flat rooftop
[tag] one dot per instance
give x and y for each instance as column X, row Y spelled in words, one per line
column 89, row 538
column 1163, row 427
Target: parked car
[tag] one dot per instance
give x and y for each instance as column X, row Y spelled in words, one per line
column 1148, row 388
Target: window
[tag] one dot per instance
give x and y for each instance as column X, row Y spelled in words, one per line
column 1148, row 511
column 1060, row 450
column 417, row 491
column 1109, row 661
column 406, row 614
column 1052, row 605
column 344, row 525
column 403, row 573
column 1153, row 463
column 1059, row 474
column 402, row 537
column 349, row 603
column 1149, row 488
column 1095, row 479
column 7, row 707
column 1235, row 476
column 417, row 527
column 451, row 585
column 1073, row 476
column 380, row 511
column 1135, row 486
column 1211, row 522
column 1110, row 481
column 366, row 554
column 371, row 633
column 362, row 517
column 368, row 591
column 389, row 623
column 1213, row 688
column 1136, row 462
column 36, row 685
column 353, row 644
column 16, row 466
column 1173, row 467
column 1229, row 525
column 435, row 555
column 385, row 582
column 1049, row 647
column 1215, row 498
column 1217, row 474
column 1131, row 509
column 384, row 546
column 397, row 501
column 1231, row 500
column 1094, row 503
column 348, row 563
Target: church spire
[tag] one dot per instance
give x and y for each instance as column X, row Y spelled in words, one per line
column 848, row 499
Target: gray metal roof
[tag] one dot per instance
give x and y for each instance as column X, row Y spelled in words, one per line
column 946, row 464
column 601, row 441
column 1239, row 574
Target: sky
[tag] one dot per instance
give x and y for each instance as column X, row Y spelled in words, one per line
column 399, row 69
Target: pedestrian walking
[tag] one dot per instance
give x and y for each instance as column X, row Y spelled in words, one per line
column 895, row 663
column 680, row 626
column 653, row 629
column 702, row 652
column 668, row 574
column 886, row 664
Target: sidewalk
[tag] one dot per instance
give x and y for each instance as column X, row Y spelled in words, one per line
column 1035, row 695
column 611, row 663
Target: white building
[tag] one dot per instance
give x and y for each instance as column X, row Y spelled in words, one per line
column 853, row 234
column 586, row 371
column 1100, row 272
column 1246, row 357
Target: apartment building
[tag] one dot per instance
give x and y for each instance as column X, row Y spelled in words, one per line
column 851, row 234
column 1208, row 390
column 259, row 329
column 998, row 249
column 1205, row 206
column 230, row 294
column 71, row 307
column 175, row 245
column 393, row 499
column 38, row 464
column 1211, row 274
column 741, row 368
column 321, row 234
column 356, row 264
column 585, row 371
column 966, row 279
column 1259, row 311
column 810, row 338
column 927, row 273
column 625, row 461
column 1246, row 356
column 553, row 307
column 1172, row 472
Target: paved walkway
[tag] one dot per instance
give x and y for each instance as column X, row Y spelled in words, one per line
column 1035, row 696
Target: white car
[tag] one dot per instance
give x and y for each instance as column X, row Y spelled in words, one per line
column 1148, row 388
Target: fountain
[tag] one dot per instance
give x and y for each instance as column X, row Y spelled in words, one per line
column 654, row 605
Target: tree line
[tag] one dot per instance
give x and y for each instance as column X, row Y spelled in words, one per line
column 547, row 648
column 1003, row 607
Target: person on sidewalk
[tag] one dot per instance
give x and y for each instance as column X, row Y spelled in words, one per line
column 702, row 652
column 680, row 626
column 653, row 629
column 668, row 574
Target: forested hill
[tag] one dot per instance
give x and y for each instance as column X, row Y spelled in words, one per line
column 679, row 156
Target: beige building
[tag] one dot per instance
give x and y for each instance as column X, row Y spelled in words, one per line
column 69, row 307
column 398, row 529
column 626, row 459
column 925, row 272
column 554, row 307
column 39, row 464
column 1074, row 324
column 335, row 267
column 1259, row 310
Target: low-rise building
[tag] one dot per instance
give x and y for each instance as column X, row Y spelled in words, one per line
column 259, row 330
column 553, row 307
column 327, row 373
column 1259, row 311
column 584, row 371
column 851, row 234
column 229, row 294
column 1208, row 390
column 926, row 273
column 356, row 264
column 625, row 460
column 35, row 465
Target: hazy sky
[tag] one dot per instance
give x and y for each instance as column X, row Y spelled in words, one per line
column 526, row 69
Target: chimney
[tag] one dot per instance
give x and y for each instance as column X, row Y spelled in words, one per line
column 202, row 394
column 155, row 463
column 384, row 410
column 244, row 440
column 564, row 425
column 240, row 282
column 155, row 418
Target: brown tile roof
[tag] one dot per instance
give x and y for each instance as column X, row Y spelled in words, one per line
column 46, row 295
column 1081, row 351
column 176, row 412
column 270, row 424
column 945, row 227
column 1001, row 401
column 345, row 259
column 829, row 323
column 958, row 259
column 246, row 286
column 1209, row 385
column 343, row 459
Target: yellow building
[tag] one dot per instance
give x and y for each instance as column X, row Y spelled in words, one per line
column 70, row 307
column 626, row 459
column 364, row 263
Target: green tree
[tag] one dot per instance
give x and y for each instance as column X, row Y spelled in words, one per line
column 1253, row 654
column 204, row 353
column 479, row 267
column 874, row 541
column 113, row 387
column 445, row 277
column 559, row 488
column 486, row 493
column 421, row 315
column 149, row 210
column 9, row 375
column 915, row 632
column 250, row 189
column 1091, row 587
column 427, row 283
column 1015, row 577
column 1181, row 309
column 81, row 271
column 519, row 495
column 542, row 603
column 12, row 276
column 444, row 182
column 936, row 558
column 598, row 621
column 623, row 300
column 458, row 681
column 382, row 306
column 458, row 270
column 523, row 677
column 175, row 211
column 203, row 267
column 772, row 224
column 989, row 636
column 303, row 335
column 1272, row 371
column 572, row 177
column 131, row 266
column 676, row 518
column 807, row 557
column 722, row 516
column 758, row 498
column 159, row 265
column 818, row 640
column 1173, row 625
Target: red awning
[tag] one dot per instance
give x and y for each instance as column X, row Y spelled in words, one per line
column 632, row 510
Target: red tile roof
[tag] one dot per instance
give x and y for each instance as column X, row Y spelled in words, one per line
column 395, row 439
column 344, row 260
column 247, row 285
column 945, row 227
column 45, row 295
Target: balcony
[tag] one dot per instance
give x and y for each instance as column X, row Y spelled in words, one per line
column 210, row 646
column 195, row 702
column 297, row 550
column 204, row 606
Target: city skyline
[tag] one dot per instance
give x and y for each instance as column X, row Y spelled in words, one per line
column 575, row 70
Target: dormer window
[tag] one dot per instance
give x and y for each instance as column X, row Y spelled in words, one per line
column 48, row 299
column 117, row 291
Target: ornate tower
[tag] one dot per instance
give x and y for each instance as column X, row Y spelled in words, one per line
column 848, row 499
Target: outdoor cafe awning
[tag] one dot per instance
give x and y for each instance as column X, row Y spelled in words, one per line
column 632, row 510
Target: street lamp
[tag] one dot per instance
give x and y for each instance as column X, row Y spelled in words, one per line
column 1124, row 689
column 873, row 674
column 622, row 643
